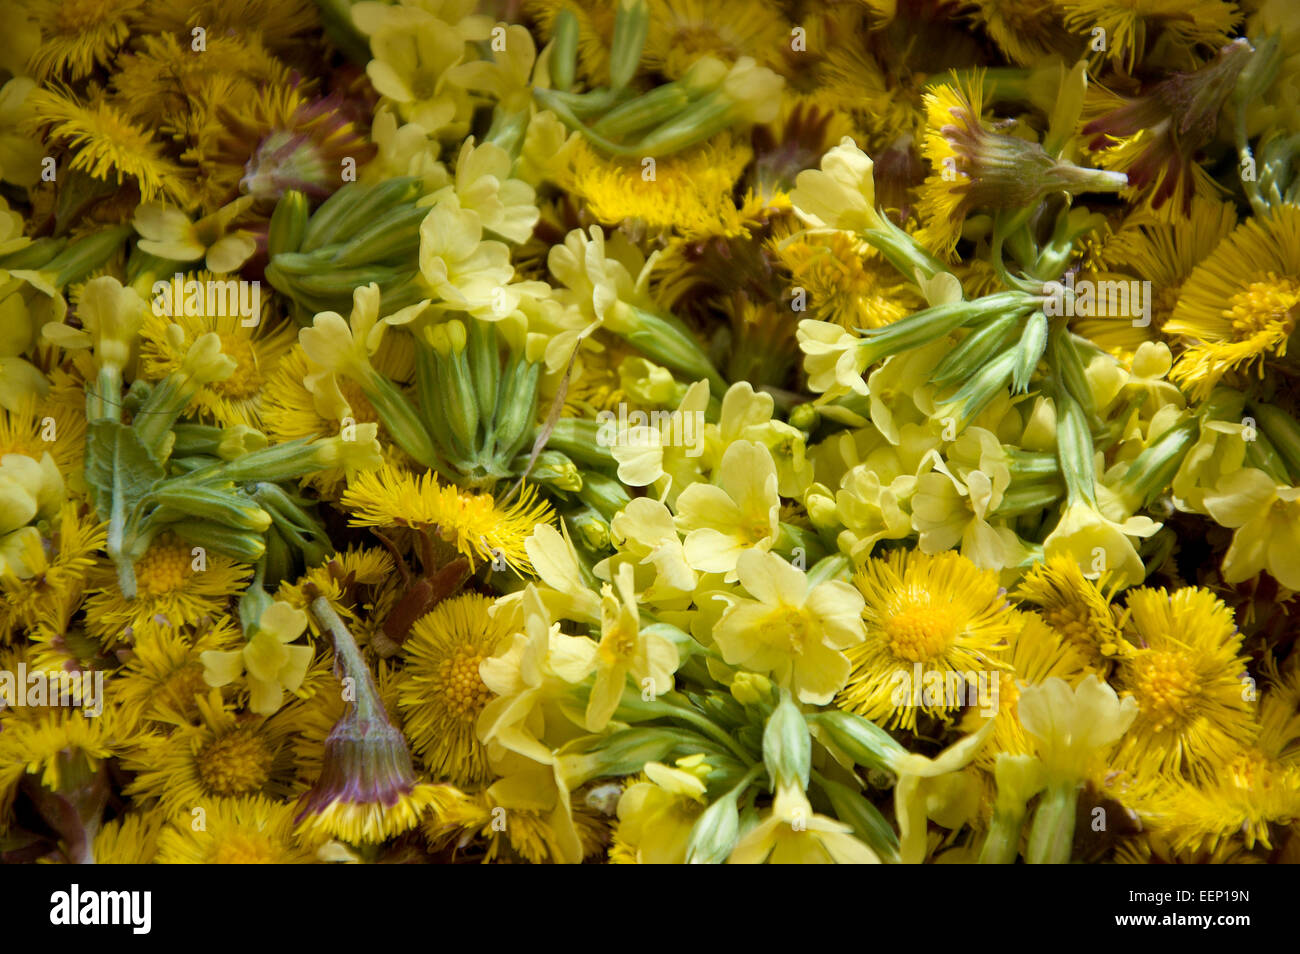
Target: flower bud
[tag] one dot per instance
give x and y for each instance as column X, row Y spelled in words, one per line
column 787, row 745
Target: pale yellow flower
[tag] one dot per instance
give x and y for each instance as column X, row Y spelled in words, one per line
column 792, row 630
column 272, row 664
column 626, row 650
column 793, row 834
column 1074, row 726
column 739, row 512
column 1266, row 518
column 168, row 233
column 841, row 194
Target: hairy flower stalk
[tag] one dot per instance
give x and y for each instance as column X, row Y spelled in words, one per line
column 367, row 763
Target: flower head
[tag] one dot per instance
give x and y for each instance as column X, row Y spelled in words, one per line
column 795, row 631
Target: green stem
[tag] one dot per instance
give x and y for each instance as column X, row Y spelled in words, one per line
column 1052, row 836
column 690, row 716
column 345, row 647
column 1002, row 845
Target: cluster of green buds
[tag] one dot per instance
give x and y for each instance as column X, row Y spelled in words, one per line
column 479, row 402
column 709, row 98
column 745, row 742
column 752, row 740
column 1003, row 345
column 359, row 235
column 213, row 487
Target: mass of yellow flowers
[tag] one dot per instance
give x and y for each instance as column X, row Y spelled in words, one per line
column 650, row 431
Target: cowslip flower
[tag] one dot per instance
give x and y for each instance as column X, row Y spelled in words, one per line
column 532, row 677
column 656, row 816
column 841, row 194
column 790, row 629
column 793, row 834
column 626, row 650
column 739, row 512
column 1266, row 518
column 273, row 665
column 168, row 233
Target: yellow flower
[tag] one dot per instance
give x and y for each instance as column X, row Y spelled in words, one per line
column 413, row 51
column 1074, row 727
column 30, row 489
column 223, row 755
column 464, row 271
column 236, row 831
column 793, row 834
column 483, row 185
column 1239, row 806
column 567, row 594
column 168, row 233
column 1240, row 306
column 337, row 347
column 1027, row 31
column 657, row 812
column 942, row 203
column 737, row 514
column 49, row 570
column 480, row 528
column 790, row 629
column 689, row 192
column 257, row 352
column 939, row 613
column 103, row 140
column 176, row 587
column 1266, row 518
column 525, row 786
column 441, row 693
column 1098, row 544
column 1183, row 25
column 78, row 35
column 370, row 822
column 130, row 839
column 626, row 650
column 404, row 150
column 539, row 829
column 1163, row 253
column 841, row 194
column 1077, row 609
column 289, row 410
column 533, row 678
column 869, row 507
column 163, row 678
column 833, row 359
column 273, row 666
column 110, row 317
column 847, row 282
column 947, row 510
column 1185, row 669
column 508, row 76
column 660, row 454
column 682, row 31
column 1036, row 654
column 643, row 531
column 56, row 746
